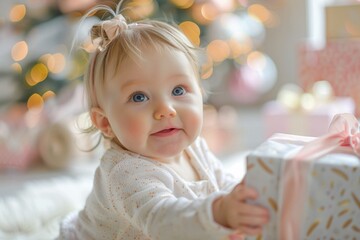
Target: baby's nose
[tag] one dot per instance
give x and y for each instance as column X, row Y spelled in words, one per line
column 165, row 111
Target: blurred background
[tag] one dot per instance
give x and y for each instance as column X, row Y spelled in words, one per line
column 270, row 66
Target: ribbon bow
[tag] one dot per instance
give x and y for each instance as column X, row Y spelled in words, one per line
column 343, row 132
column 110, row 29
column 345, row 127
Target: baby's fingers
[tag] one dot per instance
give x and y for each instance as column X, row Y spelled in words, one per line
column 241, row 193
column 252, row 220
column 252, row 210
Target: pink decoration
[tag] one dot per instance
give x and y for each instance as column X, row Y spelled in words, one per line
column 244, row 85
column 250, row 81
column 338, row 63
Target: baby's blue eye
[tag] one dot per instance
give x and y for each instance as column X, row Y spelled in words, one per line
column 178, row 91
column 139, row 97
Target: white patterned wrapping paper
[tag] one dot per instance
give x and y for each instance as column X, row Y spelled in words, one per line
column 332, row 210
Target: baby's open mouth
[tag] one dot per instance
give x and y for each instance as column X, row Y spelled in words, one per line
column 166, row 132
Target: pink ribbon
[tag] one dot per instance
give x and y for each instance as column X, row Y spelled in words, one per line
column 110, row 29
column 343, row 132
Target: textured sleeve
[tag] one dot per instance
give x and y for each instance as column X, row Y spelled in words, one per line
column 225, row 181
column 144, row 196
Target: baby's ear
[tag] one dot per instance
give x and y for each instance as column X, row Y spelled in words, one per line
column 101, row 122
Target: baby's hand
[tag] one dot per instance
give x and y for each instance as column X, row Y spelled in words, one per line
column 233, row 212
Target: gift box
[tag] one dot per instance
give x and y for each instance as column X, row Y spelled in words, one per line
column 342, row 21
column 279, row 118
column 309, row 185
column 338, row 63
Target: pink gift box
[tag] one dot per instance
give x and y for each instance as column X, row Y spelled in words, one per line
column 280, row 119
column 338, row 63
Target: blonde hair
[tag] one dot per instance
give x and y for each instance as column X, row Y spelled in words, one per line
column 117, row 40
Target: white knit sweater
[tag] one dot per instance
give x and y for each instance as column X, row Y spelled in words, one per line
column 134, row 197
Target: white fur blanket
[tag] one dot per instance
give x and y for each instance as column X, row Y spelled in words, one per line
column 36, row 211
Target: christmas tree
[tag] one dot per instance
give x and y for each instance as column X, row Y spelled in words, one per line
column 39, row 68
column 37, row 38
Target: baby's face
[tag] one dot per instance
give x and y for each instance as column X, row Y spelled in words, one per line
column 155, row 109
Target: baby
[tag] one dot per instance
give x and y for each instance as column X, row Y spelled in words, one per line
column 158, row 180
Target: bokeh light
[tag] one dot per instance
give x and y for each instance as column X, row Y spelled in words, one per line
column 263, row 14
column 35, row 103
column 256, row 60
column 17, row 13
column 88, row 46
column 39, row 72
column 322, row 91
column 139, row 9
column 238, row 48
column 209, row 11
column 289, row 95
column 225, row 5
column 183, row 4
column 259, row 11
column 207, row 69
column 256, row 76
column 204, row 13
column 218, row 50
column 56, row 63
column 192, row 31
column 307, row 101
column 19, row 51
column 31, row 82
column 16, row 67
column 48, row 95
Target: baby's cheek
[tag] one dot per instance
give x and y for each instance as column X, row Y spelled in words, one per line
column 195, row 122
column 135, row 128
